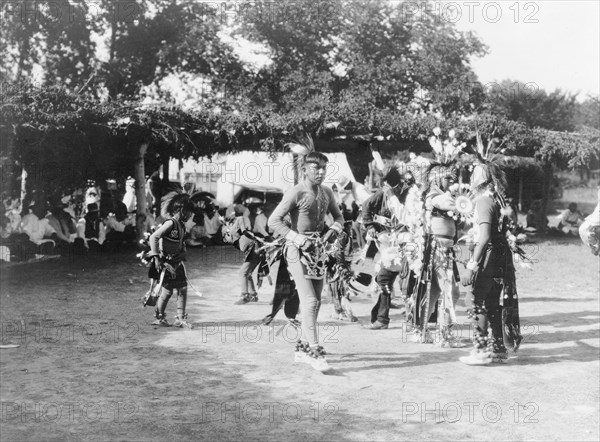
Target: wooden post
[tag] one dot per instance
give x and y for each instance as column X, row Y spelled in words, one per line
column 520, row 202
column 140, row 190
column 23, row 184
column 548, row 173
column 164, row 185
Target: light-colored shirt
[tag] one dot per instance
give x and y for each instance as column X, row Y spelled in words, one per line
column 572, row 218
column 212, row 224
column 37, row 229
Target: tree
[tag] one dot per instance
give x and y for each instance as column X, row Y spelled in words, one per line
column 154, row 38
column 533, row 106
column 588, row 112
column 356, row 54
column 55, row 36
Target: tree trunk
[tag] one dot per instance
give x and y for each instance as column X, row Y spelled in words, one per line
column 23, row 184
column 164, row 185
column 520, row 202
column 548, row 174
column 24, row 51
column 140, row 191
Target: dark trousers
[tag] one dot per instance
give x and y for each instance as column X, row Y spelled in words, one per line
column 385, row 280
column 487, row 288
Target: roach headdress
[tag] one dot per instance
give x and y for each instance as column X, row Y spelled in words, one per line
column 174, row 201
column 305, row 152
column 489, row 157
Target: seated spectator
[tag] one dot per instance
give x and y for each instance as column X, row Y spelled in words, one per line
column 38, row 230
column 93, row 228
column 213, row 224
column 198, row 237
column 62, row 223
column 536, row 220
column 115, row 231
column 12, row 208
column 570, row 220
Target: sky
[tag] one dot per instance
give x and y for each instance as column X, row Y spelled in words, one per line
column 554, row 44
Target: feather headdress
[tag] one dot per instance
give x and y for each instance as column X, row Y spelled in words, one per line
column 174, row 201
column 305, row 152
column 489, row 156
column 303, row 146
column 447, row 150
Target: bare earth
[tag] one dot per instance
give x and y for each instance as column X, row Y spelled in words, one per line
column 89, row 367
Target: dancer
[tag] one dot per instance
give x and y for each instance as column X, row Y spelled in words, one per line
column 383, row 205
column 491, row 271
column 438, row 274
column 589, row 231
column 307, row 203
column 167, row 250
column 339, row 275
column 440, row 208
column 250, row 226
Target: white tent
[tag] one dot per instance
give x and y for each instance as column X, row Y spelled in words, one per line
column 226, row 175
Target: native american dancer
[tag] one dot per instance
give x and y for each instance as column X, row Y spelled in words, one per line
column 490, row 270
column 238, row 232
column 167, row 253
column 339, row 275
column 589, row 231
column 383, row 215
column 413, row 217
column 441, row 274
column 438, row 272
column 307, row 204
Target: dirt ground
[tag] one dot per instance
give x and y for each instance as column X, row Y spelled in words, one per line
column 90, row 367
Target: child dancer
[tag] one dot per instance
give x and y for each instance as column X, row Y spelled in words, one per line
column 307, row 203
column 168, row 252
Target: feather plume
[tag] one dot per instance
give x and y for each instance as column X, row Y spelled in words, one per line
column 436, row 145
column 298, row 149
column 301, row 148
column 378, row 160
column 166, row 202
column 448, row 150
column 480, row 148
